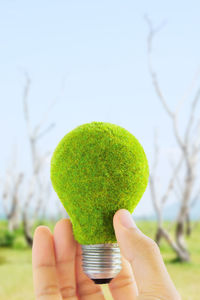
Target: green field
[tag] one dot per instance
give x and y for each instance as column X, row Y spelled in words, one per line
column 16, row 275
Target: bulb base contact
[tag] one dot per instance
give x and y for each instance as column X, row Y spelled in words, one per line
column 101, row 262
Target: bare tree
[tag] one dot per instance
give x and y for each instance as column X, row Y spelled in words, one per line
column 10, row 196
column 188, row 142
column 38, row 190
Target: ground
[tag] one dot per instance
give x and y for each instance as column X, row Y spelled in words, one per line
column 16, row 273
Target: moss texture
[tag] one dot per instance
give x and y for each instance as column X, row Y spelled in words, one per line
column 96, row 169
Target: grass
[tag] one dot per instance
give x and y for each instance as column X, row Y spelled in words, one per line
column 16, row 273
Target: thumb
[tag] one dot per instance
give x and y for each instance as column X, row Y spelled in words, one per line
column 144, row 256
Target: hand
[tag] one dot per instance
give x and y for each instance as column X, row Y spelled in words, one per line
column 58, row 274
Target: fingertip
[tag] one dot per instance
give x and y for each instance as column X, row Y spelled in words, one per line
column 117, row 215
column 63, row 223
column 118, row 212
column 64, row 242
column 63, row 232
column 42, row 250
column 40, row 231
column 124, row 218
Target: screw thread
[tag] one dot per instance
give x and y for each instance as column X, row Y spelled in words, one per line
column 101, row 261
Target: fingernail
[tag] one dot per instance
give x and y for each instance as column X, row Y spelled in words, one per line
column 126, row 219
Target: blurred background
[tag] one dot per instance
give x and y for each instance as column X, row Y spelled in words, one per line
column 65, row 63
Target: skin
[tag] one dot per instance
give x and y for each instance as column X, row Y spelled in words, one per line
column 58, row 275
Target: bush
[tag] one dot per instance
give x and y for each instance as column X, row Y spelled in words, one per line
column 6, row 238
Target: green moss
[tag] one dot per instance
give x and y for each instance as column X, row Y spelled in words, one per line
column 96, row 169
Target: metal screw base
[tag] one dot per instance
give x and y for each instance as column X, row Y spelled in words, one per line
column 101, row 262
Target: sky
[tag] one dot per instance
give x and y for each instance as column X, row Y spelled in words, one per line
column 91, row 57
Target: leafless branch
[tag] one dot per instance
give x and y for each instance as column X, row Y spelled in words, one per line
column 170, row 185
column 191, row 118
column 36, row 183
column 10, row 198
column 195, row 198
column 189, row 149
column 45, row 131
column 156, row 84
column 189, row 90
column 25, row 100
column 152, row 177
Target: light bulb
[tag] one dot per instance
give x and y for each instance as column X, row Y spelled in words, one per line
column 96, row 169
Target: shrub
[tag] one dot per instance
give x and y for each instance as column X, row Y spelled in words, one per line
column 6, row 238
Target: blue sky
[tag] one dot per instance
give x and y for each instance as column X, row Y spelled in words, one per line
column 97, row 51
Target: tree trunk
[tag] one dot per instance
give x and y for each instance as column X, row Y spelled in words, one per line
column 12, row 224
column 158, row 235
column 26, row 229
column 188, row 225
column 179, row 235
column 182, row 254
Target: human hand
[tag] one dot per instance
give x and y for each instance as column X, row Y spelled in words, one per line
column 58, row 275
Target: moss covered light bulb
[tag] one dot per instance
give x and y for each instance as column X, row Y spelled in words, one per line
column 96, row 169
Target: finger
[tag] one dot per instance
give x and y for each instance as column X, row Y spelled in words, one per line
column 65, row 252
column 124, row 283
column 144, row 256
column 87, row 289
column 44, row 266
